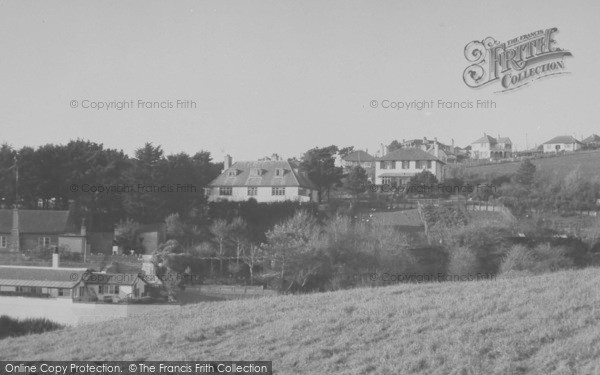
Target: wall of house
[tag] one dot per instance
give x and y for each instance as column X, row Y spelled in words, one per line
column 437, row 168
column 563, row 147
column 264, row 194
column 74, row 244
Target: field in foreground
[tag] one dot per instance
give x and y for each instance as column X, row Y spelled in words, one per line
column 546, row 324
column 560, row 165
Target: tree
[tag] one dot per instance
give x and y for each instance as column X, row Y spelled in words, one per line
column 220, row 230
column 526, row 173
column 423, row 182
column 357, row 180
column 293, row 246
column 239, row 235
column 393, row 146
column 319, row 163
column 251, row 257
column 343, row 152
column 127, row 236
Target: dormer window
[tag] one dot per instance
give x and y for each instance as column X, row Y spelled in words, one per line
column 279, row 172
column 256, row 172
column 232, row 173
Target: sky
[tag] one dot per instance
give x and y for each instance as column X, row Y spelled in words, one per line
column 282, row 76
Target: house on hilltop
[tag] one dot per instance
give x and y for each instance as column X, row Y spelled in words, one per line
column 265, row 181
column 399, row 166
column 488, row 147
column 562, row 143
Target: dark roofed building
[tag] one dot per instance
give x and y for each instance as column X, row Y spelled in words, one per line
column 264, row 180
column 562, row 143
column 30, row 229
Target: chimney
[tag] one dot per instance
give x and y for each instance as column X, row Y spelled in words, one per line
column 227, row 163
column 55, row 259
column 15, row 237
column 436, row 149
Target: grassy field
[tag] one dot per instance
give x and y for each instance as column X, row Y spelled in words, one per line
column 561, row 165
column 547, row 324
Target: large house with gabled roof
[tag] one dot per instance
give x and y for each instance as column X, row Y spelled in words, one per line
column 488, row 147
column 264, row 180
column 399, row 166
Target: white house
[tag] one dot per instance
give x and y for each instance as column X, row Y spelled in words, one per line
column 562, row 143
column 397, row 167
column 488, row 147
column 264, row 180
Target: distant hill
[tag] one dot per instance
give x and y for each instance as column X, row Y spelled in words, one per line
column 547, row 324
column 561, row 164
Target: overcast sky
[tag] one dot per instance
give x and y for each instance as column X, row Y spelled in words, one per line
column 282, row 76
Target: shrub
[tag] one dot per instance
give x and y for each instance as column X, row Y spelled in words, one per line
column 540, row 259
column 518, row 258
column 10, row 327
column 463, row 263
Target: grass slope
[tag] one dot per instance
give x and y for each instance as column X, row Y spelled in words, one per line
column 561, row 165
column 547, row 324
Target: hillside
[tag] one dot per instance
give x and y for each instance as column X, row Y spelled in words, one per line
column 546, row 324
column 562, row 165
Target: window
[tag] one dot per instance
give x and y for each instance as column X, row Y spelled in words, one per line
column 278, row 191
column 386, row 180
column 388, row 165
column 44, row 241
column 225, row 191
column 405, row 164
column 418, row 164
column 60, row 292
column 252, row 191
column 255, row 172
column 279, row 172
column 428, row 164
column 3, row 241
column 100, row 289
column 232, row 173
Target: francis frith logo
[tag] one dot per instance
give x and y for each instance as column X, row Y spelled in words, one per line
column 515, row 63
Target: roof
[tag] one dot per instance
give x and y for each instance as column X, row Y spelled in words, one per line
column 405, row 154
column 99, row 278
column 37, row 221
column 486, row 139
column 562, row 139
column 504, row 140
column 291, row 176
column 359, row 155
column 44, row 277
column 592, row 138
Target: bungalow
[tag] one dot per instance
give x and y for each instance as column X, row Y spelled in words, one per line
column 488, row 147
column 562, row 143
column 77, row 284
column 30, row 229
column 592, row 142
column 43, row 282
column 397, row 167
column 265, row 181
